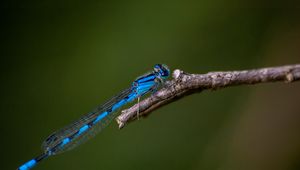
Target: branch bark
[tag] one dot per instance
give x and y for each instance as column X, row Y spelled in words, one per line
column 184, row 84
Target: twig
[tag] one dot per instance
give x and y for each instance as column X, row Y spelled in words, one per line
column 184, row 84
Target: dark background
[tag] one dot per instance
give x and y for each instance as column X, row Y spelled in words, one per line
column 60, row 59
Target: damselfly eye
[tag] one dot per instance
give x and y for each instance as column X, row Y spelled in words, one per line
column 162, row 70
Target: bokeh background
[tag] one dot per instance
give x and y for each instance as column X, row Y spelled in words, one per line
column 60, row 59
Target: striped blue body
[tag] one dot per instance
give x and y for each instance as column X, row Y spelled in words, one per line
column 93, row 122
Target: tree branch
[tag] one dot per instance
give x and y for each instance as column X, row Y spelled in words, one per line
column 184, row 84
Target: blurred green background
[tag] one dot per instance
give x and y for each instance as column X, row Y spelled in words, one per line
column 60, row 59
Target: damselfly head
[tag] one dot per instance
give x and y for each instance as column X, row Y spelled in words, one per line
column 162, row 70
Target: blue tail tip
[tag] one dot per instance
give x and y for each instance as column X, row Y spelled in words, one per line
column 28, row 165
